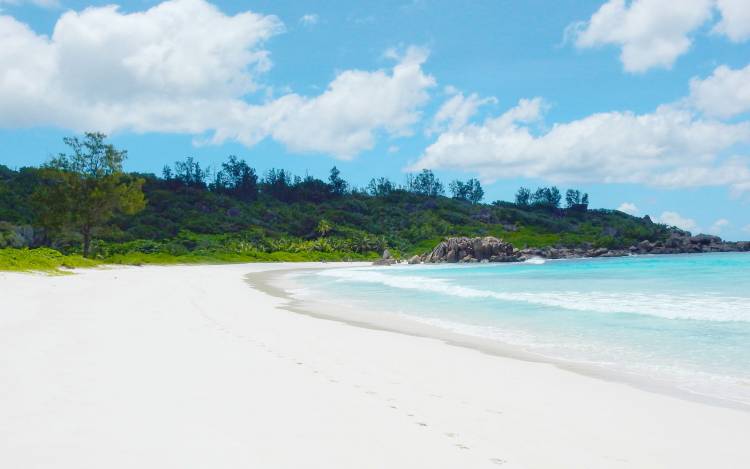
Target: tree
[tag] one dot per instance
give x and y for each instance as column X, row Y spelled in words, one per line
column 338, row 185
column 523, row 197
column 575, row 199
column 85, row 189
column 380, row 187
column 311, row 189
column 554, row 197
column 546, row 197
column 470, row 190
column 190, row 174
column 323, row 228
column 572, row 197
column 278, row 184
column 425, row 183
column 236, row 178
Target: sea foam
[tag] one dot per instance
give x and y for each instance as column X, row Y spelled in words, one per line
column 695, row 306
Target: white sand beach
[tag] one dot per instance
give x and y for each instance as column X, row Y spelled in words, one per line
column 191, row 367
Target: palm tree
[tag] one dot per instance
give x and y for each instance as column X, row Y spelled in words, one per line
column 323, row 227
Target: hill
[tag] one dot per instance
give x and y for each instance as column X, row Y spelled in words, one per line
column 307, row 218
column 193, row 214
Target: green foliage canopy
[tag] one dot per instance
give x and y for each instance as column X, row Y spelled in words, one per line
column 470, row 190
column 84, row 189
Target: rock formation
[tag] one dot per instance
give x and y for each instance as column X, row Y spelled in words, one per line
column 387, row 259
column 488, row 249
column 491, row 249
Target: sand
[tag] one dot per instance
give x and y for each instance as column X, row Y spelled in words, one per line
column 191, row 367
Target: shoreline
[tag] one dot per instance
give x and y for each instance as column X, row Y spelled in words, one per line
column 190, row 366
column 274, row 283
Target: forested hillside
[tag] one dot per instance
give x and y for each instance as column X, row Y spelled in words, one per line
column 232, row 213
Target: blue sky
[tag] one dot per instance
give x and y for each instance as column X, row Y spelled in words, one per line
column 644, row 107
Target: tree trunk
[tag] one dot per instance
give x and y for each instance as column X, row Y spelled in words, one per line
column 86, row 241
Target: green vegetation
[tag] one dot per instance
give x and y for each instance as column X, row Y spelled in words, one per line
column 470, row 190
column 40, row 259
column 83, row 203
column 84, row 190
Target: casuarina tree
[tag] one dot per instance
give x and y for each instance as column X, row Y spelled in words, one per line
column 85, row 188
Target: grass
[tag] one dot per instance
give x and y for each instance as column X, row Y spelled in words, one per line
column 218, row 257
column 41, row 260
column 52, row 261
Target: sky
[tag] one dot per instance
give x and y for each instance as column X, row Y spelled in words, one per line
column 643, row 105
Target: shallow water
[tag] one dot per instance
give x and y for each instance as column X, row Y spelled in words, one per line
column 683, row 320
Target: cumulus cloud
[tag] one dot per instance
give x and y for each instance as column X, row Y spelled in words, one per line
column 309, row 19
column 675, row 219
column 456, row 111
column 735, row 19
column 718, row 226
column 344, row 119
column 670, row 147
column 726, row 93
column 103, row 69
column 653, row 33
column 184, row 66
column 629, row 208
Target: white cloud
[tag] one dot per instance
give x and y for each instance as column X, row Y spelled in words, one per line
column 654, row 33
column 746, row 228
column 456, row 111
column 343, row 120
column 726, row 93
column 102, row 69
column 670, row 147
column 718, row 226
column 309, row 19
column 651, row 33
column 183, row 66
column 735, row 19
column 675, row 219
column 629, row 208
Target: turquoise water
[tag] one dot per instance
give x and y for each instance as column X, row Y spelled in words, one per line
column 683, row 320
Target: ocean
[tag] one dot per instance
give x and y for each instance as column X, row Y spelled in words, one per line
column 677, row 320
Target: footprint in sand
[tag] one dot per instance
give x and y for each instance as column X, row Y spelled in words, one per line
column 460, row 446
column 421, row 424
column 451, row 435
column 498, row 461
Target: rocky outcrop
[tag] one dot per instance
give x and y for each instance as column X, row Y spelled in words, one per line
column 387, row 259
column 486, row 249
column 682, row 242
column 571, row 253
column 491, row 249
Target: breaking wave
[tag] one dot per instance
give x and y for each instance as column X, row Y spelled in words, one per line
column 701, row 307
